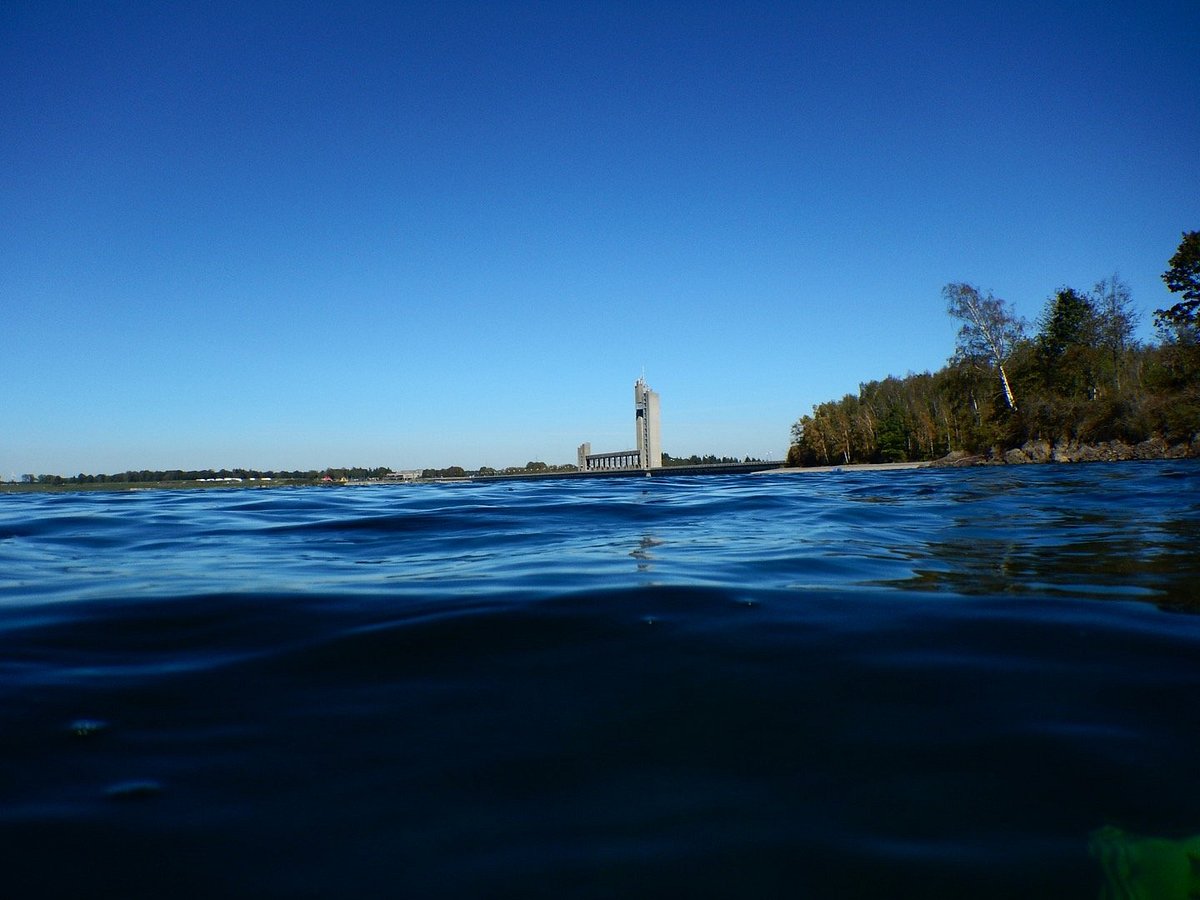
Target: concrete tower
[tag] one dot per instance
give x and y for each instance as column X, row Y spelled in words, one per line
column 649, row 427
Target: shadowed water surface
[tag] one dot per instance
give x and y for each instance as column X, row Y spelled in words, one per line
column 859, row 684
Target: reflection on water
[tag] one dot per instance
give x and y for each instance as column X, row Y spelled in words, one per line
column 642, row 552
column 1042, row 537
column 1125, row 566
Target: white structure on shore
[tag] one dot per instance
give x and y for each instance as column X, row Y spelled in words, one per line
column 648, row 425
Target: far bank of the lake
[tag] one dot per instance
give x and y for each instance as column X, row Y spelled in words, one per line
column 1031, row 452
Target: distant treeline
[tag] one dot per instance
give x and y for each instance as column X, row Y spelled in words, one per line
column 1077, row 375
column 356, row 473
column 537, row 467
column 154, row 476
column 693, row 460
column 530, row 468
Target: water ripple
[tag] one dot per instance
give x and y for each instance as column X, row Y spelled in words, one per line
column 909, row 684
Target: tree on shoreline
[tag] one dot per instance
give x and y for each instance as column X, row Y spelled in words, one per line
column 1066, row 340
column 1183, row 277
column 1113, row 302
column 1082, row 379
column 989, row 333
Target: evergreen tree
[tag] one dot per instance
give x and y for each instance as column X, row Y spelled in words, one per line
column 1183, row 277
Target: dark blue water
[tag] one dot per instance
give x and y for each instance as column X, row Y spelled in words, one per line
column 859, row 684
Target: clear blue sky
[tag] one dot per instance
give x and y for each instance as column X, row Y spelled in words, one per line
column 298, row 235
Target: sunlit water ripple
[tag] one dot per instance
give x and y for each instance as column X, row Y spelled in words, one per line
column 913, row 683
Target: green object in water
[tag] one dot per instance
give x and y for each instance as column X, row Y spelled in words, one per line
column 1146, row 868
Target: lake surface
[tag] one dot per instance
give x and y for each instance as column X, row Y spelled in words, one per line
column 920, row 683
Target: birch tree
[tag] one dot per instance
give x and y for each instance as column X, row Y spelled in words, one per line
column 989, row 333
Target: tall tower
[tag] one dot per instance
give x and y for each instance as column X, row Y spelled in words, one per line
column 649, row 427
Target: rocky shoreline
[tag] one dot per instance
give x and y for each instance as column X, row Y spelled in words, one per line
column 1072, row 452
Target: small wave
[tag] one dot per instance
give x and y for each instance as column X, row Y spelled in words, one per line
column 819, row 685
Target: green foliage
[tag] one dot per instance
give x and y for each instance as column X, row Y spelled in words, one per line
column 182, row 477
column 1068, row 355
column 894, row 420
column 1070, row 320
column 989, row 333
column 1082, row 378
column 1183, row 277
column 448, row 472
column 710, row 460
column 894, row 437
column 534, row 467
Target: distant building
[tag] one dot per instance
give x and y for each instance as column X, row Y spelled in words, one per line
column 649, row 425
column 648, row 433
